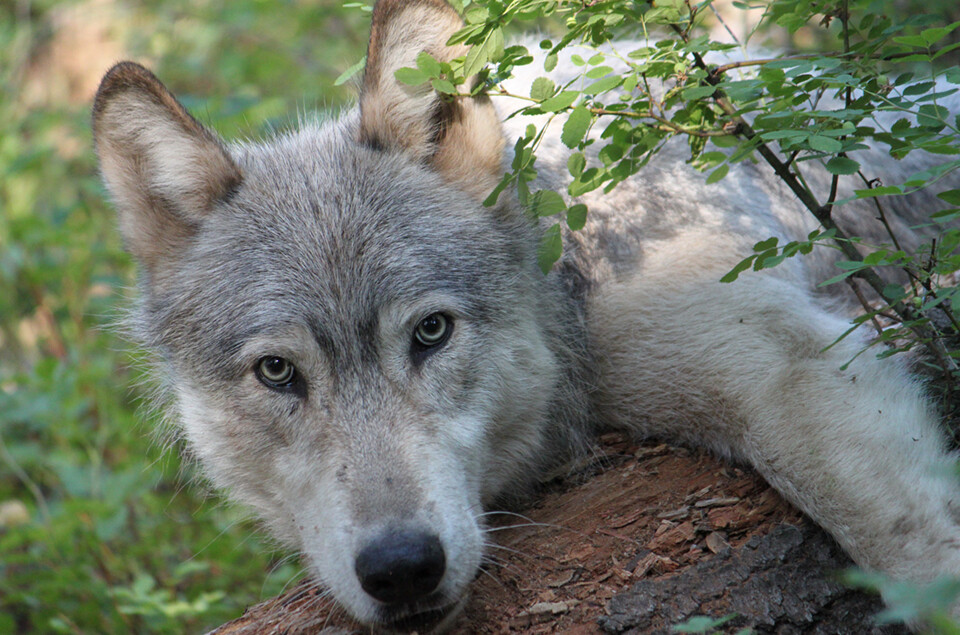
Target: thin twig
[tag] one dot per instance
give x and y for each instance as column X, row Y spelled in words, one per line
column 665, row 123
column 723, row 68
column 721, row 21
column 882, row 215
column 852, row 283
column 729, row 66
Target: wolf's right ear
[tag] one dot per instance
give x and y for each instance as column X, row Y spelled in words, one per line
column 164, row 170
column 460, row 137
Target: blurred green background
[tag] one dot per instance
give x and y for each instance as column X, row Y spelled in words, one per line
column 102, row 529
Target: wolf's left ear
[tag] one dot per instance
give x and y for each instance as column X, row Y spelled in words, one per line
column 461, row 138
column 164, row 170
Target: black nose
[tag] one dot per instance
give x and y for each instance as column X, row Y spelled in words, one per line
column 401, row 566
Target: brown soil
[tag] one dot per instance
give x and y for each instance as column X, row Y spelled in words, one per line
column 645, row 537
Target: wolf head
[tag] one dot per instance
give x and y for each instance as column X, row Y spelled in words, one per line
column 356, row 347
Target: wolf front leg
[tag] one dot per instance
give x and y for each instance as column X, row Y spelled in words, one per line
column 741, row 368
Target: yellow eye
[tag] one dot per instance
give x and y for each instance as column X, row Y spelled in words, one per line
column 433, row 330
column 275, row 372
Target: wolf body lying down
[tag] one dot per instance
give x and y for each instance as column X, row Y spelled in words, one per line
column 368, row 357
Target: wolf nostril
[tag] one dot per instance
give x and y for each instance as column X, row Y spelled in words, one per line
column 401, row 566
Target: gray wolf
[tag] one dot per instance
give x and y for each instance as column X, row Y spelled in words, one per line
column 361, row 352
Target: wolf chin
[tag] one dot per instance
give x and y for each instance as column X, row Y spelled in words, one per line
column 368, row 357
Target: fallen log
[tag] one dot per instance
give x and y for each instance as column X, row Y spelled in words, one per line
column 636, row 541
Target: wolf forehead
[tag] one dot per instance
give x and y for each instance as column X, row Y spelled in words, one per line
column 325, row 231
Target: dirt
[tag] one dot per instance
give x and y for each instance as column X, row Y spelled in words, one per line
column 642, row 538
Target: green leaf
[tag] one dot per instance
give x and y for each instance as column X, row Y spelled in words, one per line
column 718, row 174
column 836, row 279
column 427, row 64
column 444, row 86
column 410, row 76
column 550, row 62
column 883, row 190
column 919, row 88
column 766, row 245
column 603, row 85
column 610, row 154
column 476, row 14
column 559, row 101
column 547, row 203
column 824, row 144
column 702, row 624
column 934, row 35
column 713, row 157
column 914, row 41
column 599, row 71
column 551, row 248
column 464, row 34
column 477, row 58
column 894, row 293
column 577, row 216
column 945, row 216
column 944, row 50
column 350, row 72
column 642, row 53
column 842, row 165
column 576, row 126
column 725, row 142
column 932, row 115
column 576, row 163
column 491, row 199
column 784, row 134
column 950, row 196
column 494, row 45
column 826, row 63
column 542, row 88
column 698, row 92
column 740, row 267
column 590, row 180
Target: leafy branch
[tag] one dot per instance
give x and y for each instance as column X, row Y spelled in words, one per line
column 630, row 103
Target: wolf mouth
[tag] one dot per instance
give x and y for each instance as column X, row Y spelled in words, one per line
column 416, row 619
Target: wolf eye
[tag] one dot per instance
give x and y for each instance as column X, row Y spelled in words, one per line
column 433, row 330
column 276, row 372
